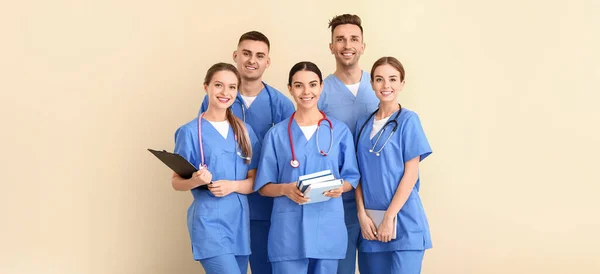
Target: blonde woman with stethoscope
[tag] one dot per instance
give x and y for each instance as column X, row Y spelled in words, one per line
column 390, row 145
column 226, row 151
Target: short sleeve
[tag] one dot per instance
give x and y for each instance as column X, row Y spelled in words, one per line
column 359, row 124
column 204, row 105
column 348, row 164
column 184, row 144
column 322, row 99
column 286, row 109
column 414, row 141
column 267, row 170
column 256, row 148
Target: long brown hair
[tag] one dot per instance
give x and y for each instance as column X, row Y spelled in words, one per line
column 239, row 129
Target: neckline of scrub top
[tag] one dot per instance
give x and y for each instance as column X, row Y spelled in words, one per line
column 257, row 97
column 345, row 91
column 388, row 128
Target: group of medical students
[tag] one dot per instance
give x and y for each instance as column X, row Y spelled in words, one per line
column 250, row 144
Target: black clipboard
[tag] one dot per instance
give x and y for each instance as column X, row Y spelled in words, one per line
column 177, row 163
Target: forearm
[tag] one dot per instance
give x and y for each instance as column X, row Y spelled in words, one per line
column 181, row 184
column 346, row 186
column 402, row 194
column 272, row 190
column 245, row 186
column 360, row 202
column 407, row 183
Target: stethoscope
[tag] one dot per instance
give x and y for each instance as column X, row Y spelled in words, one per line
column 202, row 164
column 294, row 162
column 372, row 150
column 240, row 101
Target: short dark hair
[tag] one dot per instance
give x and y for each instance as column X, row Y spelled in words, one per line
column 343, row 19
column 307, row 66
column 255, row 36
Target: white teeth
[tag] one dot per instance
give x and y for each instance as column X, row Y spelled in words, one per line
column 251, row 68
column 223, row 100
column 386, row 93
column 307, row 99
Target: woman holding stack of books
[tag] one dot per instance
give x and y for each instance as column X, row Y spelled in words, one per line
column 305, row 236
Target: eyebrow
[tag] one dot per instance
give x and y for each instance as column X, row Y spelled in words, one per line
column 392, row 76
column 219, row 82
column 249, row 51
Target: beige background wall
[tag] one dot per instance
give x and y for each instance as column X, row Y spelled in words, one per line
column 507, row 92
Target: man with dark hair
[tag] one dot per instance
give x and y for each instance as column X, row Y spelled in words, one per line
column 261, row 106
column 255, row 36
column 347, row 95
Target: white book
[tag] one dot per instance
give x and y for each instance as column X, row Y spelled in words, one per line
column 315, row 191
column 313, row 175
column 305, row 183
column 377, row 217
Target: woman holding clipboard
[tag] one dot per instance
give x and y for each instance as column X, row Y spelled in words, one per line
column 226, row 151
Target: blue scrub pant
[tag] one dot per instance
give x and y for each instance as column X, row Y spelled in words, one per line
column 305, row 266
column 348, row 265
column 227, row 263
column 391, row 262
column 259, row 234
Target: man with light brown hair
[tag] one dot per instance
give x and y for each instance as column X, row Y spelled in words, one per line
column 347, row 95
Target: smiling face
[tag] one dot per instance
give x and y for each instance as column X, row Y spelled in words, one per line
column 387, row 83
column 305, row 88
column 252, row 59
column 222, row 89
column 347, row 45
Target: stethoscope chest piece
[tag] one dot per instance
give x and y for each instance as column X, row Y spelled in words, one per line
column 294, row 163
column 372, row 151
column 239, row 153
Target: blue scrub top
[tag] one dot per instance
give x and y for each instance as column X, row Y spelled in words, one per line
column 337, row 101
column 258, row 115
column 381, row 175
column 216, row 225
column 314, row 230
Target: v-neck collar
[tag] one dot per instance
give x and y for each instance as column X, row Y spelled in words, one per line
column 345, row 91
column 258, row 97
column 212, row 131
